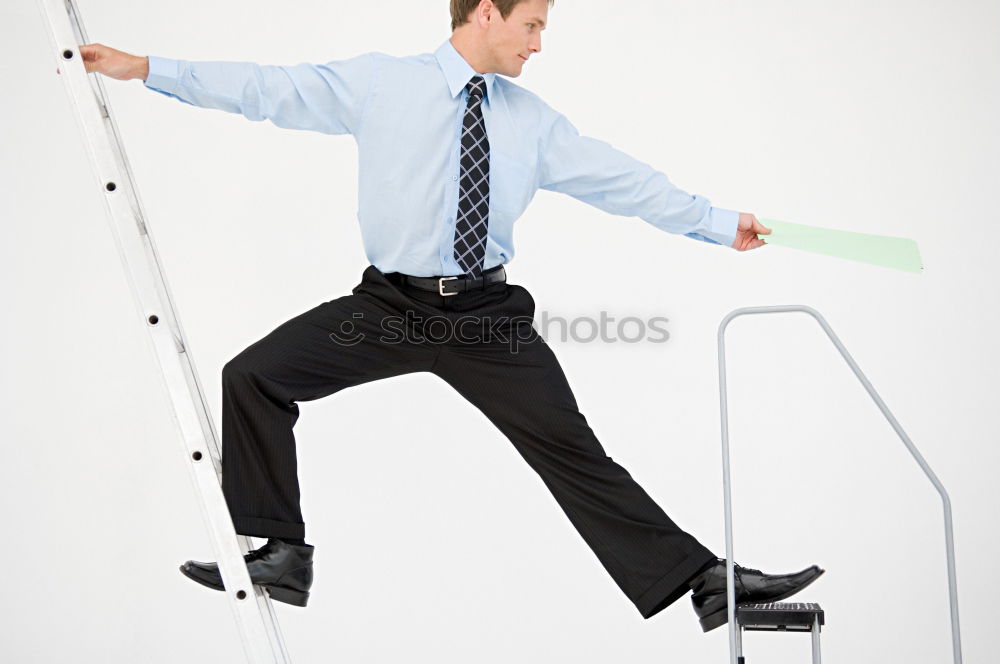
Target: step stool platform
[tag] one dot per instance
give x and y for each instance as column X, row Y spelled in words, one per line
column 779, row 616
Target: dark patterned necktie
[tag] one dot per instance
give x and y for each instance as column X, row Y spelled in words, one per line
column 474, row 190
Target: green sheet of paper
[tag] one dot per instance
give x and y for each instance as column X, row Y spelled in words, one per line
column 896, row 252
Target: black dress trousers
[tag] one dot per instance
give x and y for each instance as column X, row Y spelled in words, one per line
column 481, row 342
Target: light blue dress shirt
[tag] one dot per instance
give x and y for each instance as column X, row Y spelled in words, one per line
column 406, row 115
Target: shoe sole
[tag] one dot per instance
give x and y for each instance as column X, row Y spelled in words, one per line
column 277, row 593
column 287, row 595
column 721, row 617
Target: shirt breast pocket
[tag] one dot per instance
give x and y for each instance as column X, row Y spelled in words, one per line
column 511, row 183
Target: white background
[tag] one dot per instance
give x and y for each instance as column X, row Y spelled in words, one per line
column 435, row 542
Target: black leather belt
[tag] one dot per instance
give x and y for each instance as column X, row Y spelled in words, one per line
column 457, row 284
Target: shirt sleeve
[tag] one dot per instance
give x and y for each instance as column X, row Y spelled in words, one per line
column 328, row 98
column 599, row 174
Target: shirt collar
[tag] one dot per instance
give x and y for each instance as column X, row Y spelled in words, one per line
column 457, row 71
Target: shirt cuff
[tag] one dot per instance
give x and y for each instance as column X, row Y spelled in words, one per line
column 721, row 225
column 163, row 74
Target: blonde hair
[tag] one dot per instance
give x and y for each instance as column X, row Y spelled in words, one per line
column 460, row 9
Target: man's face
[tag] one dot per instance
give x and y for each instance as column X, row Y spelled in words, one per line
column 512, row 42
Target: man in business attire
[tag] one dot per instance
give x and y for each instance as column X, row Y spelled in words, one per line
column 450, row 156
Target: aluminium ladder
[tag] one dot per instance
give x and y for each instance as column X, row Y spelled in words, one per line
column 767, row 615
column 252, row 608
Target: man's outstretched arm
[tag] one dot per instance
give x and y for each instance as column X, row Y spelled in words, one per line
column 328, row 98
column 599, row 174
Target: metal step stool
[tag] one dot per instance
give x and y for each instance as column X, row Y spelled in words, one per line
column 793, row 619
column 779, row 617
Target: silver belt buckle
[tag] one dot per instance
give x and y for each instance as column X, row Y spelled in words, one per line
column 441, row 281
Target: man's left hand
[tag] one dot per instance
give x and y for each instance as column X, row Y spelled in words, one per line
column 746, row 232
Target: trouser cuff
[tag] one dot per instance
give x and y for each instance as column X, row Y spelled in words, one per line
column 673, row 585
column 258, row 527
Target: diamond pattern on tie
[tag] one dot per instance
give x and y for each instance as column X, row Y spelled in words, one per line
column 474, row 188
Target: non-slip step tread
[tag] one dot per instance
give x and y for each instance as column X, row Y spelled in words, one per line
column 779, row 616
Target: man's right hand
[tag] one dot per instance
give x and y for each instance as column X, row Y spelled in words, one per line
column 114, row 63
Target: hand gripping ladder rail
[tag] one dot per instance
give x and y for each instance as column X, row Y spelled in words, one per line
column 253, row 610
column 796, row 616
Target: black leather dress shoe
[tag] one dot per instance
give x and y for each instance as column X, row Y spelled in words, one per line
column 752, row 586
column 284, row 571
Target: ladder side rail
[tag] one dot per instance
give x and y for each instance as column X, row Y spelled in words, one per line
column 153, row 260
column 257, row 621
column 946, row 501
column 816, row 658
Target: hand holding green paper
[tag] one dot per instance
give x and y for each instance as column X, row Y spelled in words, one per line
column 746, row 233
column 893, row 252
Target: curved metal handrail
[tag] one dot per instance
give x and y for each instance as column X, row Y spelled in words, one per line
column 730, row 564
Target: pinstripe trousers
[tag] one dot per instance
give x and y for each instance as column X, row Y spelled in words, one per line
column 483, row 343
